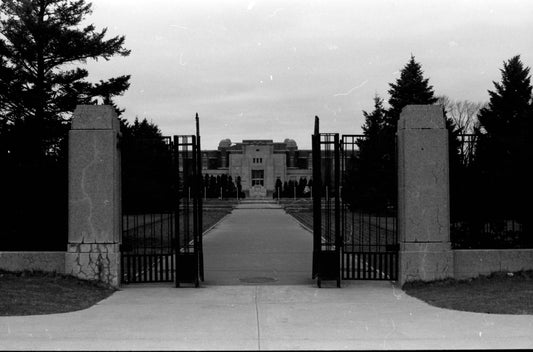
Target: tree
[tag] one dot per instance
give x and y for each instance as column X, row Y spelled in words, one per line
column 147, row 168
column 410, row 88
column 370, row 176
column 462, row 112
column 40, row 41
column 504, row 150
column 372, row 180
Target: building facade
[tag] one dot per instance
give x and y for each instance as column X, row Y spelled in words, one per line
column 259, row 163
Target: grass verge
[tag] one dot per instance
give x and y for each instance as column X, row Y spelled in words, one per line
column 498, row 293
column 35, row 293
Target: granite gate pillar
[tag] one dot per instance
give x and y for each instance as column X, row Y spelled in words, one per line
column 94, row 232
column 423, row 195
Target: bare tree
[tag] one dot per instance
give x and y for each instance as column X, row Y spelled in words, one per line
column 463, row 113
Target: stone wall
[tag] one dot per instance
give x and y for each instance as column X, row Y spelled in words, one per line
column 33, row 261
column 469, row 263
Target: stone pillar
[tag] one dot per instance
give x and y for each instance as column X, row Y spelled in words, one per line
column 94, row 226
column 423, row 195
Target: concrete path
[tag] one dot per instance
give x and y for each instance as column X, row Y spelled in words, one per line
column 217, row 316
column 258, row 243
column 362, row 315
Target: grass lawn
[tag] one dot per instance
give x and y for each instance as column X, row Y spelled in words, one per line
column 498, row 293
column 33, row 293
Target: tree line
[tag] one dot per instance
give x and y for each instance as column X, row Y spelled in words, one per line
column 490, row 151
column 222, row 186
column 292, row 188
column 44, row 43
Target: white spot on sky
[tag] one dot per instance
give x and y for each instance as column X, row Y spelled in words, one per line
column 251, row 5
column 271, row 78
column 452, row 44
column 395, row 73
column 333, row 47
column 178, row 26
column 351, row 90
column 275, row 12
column 182, row 63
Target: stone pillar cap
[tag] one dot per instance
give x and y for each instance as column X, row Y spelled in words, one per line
column 95, row 117
column 421, row 117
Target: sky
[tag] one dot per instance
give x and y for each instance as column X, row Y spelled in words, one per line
column 264, row 69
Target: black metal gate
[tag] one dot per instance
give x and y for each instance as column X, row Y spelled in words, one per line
column 189, row 249
column 369, row 214
column 327, row 241
column 161, row 210
column 354, row 209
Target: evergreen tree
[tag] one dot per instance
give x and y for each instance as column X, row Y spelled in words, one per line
column 410, row 88
column 39, row 42
column 369, row 172
column 510, row 108
column 504, row 150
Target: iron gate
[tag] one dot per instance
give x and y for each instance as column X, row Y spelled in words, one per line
column 327, row 242
column 354, row 209
column 368, row 207
column 189, row 248
column 161, row 210
column 149, row 210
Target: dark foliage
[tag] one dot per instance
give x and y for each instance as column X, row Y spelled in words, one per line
column 148, row 170
column 492, row 182
column 292, row 188
column 41, row 42
column 222, row 187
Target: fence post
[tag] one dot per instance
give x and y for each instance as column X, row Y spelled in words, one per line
column 423, row 195
column 94, row 187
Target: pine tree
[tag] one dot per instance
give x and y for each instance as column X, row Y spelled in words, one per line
column 39, row 89
column 369, row 183
column 510, row 107
column 504, row 150
column 410, row 88
column 42, row 43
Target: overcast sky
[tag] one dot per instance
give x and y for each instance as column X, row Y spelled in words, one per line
column 264, row 69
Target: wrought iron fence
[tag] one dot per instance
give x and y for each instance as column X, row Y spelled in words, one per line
column 489, row 194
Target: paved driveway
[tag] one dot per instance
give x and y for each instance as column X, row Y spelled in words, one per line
column 288, row 313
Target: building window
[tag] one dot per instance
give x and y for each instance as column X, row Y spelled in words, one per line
column 205, row 162
column 258, row 177
column 257, row 160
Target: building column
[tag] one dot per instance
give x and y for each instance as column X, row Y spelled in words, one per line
column 423, row 195
column 94, row 232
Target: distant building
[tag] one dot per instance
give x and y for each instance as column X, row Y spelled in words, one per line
column 258, row 163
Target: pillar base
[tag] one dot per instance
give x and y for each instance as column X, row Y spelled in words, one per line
column 94, row 261
column 425, row 261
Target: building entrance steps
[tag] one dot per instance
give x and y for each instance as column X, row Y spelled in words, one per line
column 258, row 243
